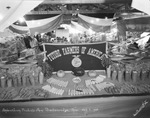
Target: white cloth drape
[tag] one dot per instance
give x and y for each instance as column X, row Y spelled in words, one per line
column 96, row 21
column 78, row 26
column 41, row 22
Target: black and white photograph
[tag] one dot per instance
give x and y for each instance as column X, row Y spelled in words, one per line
column 74, row 58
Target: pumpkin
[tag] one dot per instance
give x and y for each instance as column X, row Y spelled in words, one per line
column 60, row 73
column 92, row 73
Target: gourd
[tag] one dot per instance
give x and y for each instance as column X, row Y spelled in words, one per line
column 92, row 73
column 60, row 73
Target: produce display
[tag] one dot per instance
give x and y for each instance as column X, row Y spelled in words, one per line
column 35, row 80
column 92, row 73
column 66, row 87
column 60, row 83
column 8, row 94
column 41, row 93
column 77, row 92
column 25, row 75
column 26, row 93
column 112, row 90
column 53, row 90
column 103, row 85
column 137, row 88
column 60, row 73
column 9, row 50
column 76, row 80
column 96, row 80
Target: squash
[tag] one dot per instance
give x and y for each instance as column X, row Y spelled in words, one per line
column 92, row 73
column 60, row 73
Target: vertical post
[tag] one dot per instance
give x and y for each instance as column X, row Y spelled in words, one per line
column 108, row 70
column 44, row 52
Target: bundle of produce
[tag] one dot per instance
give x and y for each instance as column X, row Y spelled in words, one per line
column 112, row 90
column 91, row 87
column 118, row 67
column 41, row 93
column 46, row 68
column 143, row 88
column 10, row 50
column 106, row 61
column 95, row 80
column 103, row 85
column 85, row 91
column 26, row 93
column 35, row 73
column 135, row 89
column 138, row 66
column 60, row 83
column 8, row 94
column 53, row 90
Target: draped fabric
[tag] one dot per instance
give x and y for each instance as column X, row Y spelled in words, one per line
column 19, row 29
column 96, row 24
column 93, row 27
column 78, row 27
column 44, row 25
column 12, row 10
column 96, row 21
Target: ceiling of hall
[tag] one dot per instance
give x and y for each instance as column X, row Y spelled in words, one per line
column 83, row 6
column 71, row 9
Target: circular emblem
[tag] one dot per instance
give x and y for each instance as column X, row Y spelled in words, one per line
column 76, row 61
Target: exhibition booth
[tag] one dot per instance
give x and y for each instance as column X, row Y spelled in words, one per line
column 92, row 67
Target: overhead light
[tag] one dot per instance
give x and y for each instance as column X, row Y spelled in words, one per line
column 21, row 20
column 1, row 16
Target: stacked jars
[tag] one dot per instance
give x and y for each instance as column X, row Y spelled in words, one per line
column 129, row 76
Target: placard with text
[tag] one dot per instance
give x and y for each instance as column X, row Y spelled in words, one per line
column 67, row 56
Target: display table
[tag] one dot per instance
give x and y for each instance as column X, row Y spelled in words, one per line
column 73, row 96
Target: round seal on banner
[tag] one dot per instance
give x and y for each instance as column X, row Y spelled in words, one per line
column 76, row 61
